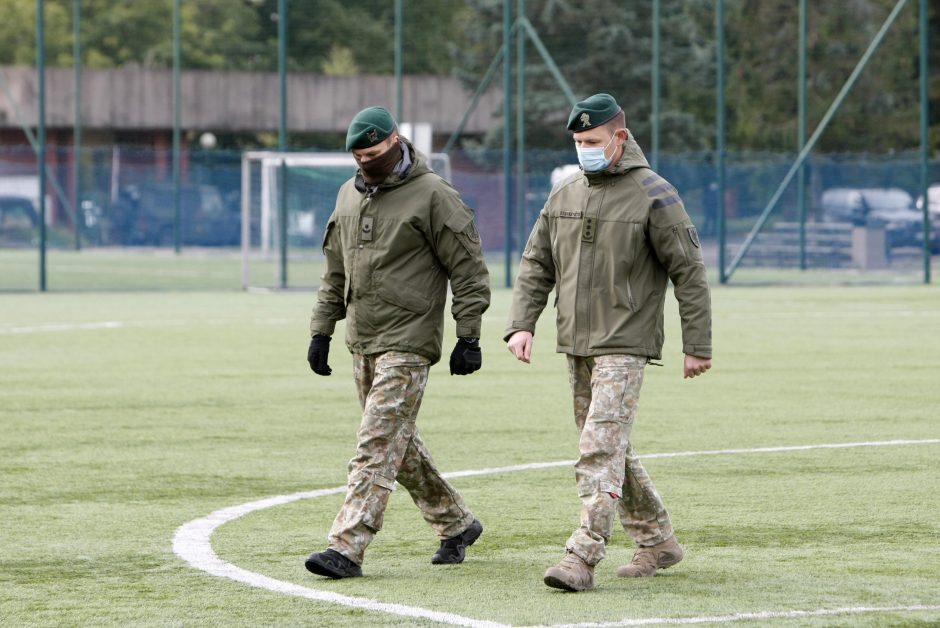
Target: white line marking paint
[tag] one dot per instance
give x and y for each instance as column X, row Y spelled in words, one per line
column 720, row 619
column 834, row 314
column 193, row 543
column 96, row 325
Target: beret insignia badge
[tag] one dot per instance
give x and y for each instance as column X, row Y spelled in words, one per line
column 373, row 135
column 585, row 120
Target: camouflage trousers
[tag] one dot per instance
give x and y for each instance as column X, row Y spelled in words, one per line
column 389, row 448
column 611, row 479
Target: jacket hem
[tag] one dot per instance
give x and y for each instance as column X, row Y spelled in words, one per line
column 643, row 352
column 374, row 349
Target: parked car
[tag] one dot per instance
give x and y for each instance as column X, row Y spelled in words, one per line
column 18, row 220
column 891, row 209
column 145, row 215
column 933, row 194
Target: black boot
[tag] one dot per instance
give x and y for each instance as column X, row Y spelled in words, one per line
column 332, row 564
column 453, row 550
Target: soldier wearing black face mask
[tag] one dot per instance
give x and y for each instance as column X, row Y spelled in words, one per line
column 374, row 170
column 398, row 234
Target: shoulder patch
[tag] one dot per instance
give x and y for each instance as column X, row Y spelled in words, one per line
column 693, row 236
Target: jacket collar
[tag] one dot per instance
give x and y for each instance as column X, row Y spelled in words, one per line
column 631, row 159
column 412, row 164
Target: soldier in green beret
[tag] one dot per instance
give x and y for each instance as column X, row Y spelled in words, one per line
column 607, row 240
column 398, row 234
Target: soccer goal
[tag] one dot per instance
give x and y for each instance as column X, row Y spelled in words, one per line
column 287, row 199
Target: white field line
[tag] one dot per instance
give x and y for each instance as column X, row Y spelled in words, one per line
column 193, row 543
column 94, row 325
column 720, row 619
column 833, row 314
column 98, row 325
column 836, row 315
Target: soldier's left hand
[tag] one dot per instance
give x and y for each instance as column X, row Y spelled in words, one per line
column 318, row 353
column 466, row 357
column 695, row 365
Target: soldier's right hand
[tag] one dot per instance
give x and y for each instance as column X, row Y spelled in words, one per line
column 520, row 345
column 318, row 353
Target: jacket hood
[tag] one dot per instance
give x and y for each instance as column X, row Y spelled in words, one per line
column 631, row 159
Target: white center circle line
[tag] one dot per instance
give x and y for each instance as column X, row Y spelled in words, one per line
column 193, row 543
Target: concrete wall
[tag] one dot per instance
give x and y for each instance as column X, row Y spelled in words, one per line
column 136, row 98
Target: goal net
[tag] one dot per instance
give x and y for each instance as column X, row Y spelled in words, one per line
column 287, row 199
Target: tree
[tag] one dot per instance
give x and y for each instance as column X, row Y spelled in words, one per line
column 762, row 84
column 599, row 46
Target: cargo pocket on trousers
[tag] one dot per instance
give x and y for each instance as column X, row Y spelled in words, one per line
column 595, row 486
column 376, row 500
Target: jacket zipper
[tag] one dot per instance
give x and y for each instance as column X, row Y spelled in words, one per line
column 630, row 300
column 636, row 248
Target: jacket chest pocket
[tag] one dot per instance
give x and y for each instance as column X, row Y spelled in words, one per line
column 566, row 240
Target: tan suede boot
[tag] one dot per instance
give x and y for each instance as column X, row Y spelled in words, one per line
column 571, row 574
column 646, row 560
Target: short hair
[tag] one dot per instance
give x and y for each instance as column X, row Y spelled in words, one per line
column 619, row 121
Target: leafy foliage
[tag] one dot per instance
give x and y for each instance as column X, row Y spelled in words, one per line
column 598, row 45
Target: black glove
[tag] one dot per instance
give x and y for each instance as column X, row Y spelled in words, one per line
column 466, row 357
column 318, row 353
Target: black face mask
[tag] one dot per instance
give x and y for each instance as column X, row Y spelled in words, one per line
column 378, row 168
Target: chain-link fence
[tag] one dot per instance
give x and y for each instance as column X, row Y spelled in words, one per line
column 125, row 209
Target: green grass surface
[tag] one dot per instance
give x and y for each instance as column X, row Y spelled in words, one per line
column 125, row 416
column 195, row 269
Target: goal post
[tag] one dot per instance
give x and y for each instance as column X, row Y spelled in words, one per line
column 310, row 181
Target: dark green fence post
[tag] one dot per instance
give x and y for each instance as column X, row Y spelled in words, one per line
column 720, row 134
column 282, row 136
column 801, row 139
column 399, row 59
column 77, row 133
column 507, row 136
column 177, row 96
column 924, row 133
column 520, row 129
column 41, row 134
column 654, row 134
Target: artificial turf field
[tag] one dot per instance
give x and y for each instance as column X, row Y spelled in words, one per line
column 128, row 415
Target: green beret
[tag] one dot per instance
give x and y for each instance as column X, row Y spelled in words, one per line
column 593, row 111
column 369, row 127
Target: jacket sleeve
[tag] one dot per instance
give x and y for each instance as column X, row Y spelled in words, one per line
column 678, row 248
column 535, row 280
column 457, row 246
column 331, row 300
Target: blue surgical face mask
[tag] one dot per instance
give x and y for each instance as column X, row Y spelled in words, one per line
column 593, row 159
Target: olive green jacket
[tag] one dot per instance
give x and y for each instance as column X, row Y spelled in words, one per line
column 607, row 243
column 389, row 253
